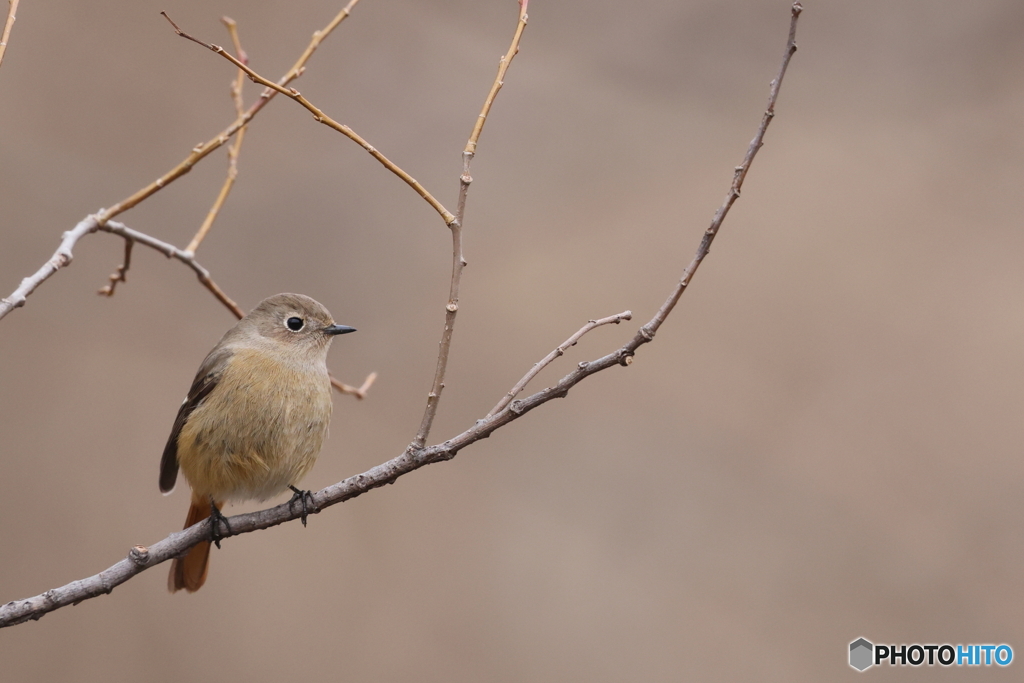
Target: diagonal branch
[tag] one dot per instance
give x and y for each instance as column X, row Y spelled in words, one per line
column 236, row 95
column 559, row 351
column 739, row 175
column 236, row 146
column 141, row 558
column 8, row 25
column 63, row 255
column 321, row 117
column 203, row 149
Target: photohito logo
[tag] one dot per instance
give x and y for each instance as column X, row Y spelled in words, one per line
column 864, row 654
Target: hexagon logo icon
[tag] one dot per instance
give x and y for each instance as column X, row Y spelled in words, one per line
column 861, row 654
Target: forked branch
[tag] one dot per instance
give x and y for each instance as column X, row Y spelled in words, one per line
column 141, row 558
column 321, row 117
column 458, row 259
column 62, row 257
column 559, row 351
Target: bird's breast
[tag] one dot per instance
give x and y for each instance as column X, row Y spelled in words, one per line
column 260, row 429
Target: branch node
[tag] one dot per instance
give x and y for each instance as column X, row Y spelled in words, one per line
column 139, row 554
column 50, row 596
column 445, row 452
column 516, row 407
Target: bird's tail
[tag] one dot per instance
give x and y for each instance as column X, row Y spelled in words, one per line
column 189, row 572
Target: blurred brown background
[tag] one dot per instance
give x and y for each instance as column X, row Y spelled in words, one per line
column 824, row 441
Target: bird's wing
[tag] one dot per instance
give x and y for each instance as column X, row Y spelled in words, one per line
column 206, row 380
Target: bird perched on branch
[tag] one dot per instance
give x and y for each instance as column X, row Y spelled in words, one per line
column 254, row 419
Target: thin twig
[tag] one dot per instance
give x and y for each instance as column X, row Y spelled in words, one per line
column 739, row 174
column 358, row 392
column 499, row 80
column 321, row 117
column 120, row 275
column 458, row 259
column 90, row 224
column 11, row 11
column 171, row 251
column 236, row 146
column 203, row 149
column 189, row 259
column 141, row 558
column 62, row 257
column 559, row 351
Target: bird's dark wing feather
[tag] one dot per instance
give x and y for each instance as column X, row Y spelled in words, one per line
column 205, row 381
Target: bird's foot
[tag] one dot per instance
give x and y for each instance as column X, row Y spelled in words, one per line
column 303, row 497
column 216, row 519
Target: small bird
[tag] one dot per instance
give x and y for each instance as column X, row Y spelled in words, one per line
column 254, row 419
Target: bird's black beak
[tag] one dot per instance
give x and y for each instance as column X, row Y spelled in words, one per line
column 332, row 330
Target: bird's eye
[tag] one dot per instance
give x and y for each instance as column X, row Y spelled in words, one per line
column 294, row 323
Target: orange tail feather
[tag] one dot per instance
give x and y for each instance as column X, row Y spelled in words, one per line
column 189, row 572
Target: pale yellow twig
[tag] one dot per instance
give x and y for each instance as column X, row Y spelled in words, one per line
column 359, row 392
column 500, row 79
column 205, row 148
column 236, row 146
column 321, row 117
column 11, row 11
column 101, row 221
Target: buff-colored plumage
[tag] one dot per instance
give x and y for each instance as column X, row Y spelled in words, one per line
column 255, row 418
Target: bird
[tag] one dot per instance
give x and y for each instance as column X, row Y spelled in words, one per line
column 254, row 419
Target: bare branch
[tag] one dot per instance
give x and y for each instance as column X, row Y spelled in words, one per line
column 90, row 224
column 171, row 251
column 458, row 259
column 499, row 80
column 739, row 174
column 236, row 146
column 122, row 270
column 203, row 149
column 321, row 117
column 141, row 558
column 11, row 11
column 559, row 350
column 358, row 392
column 62, row 257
